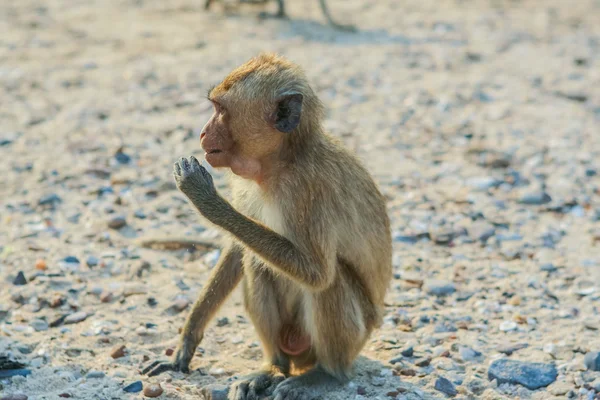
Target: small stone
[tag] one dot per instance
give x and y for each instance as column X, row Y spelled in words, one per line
column 15, row 397
column 222, row 322
column 408, row 352
column 537, row 198
column 134, row 387
column 560, row 388
column 153, row 390
column 56, row 301
column 423, row 362
column 531, row 375
column 508, row 326
column 477, row 386
column 20, row 279
column 361, row 390
column 511, row 348
column 106, row 297
column 548, row 267
column 408, row 372
column 378, row 380
column 95, row 375
column 92, row 261
column 439, row 287
column 215, row 392
column 41, row 265
column 139, row 214
column 8, row 373
column 51, row 199
column 122, row 158
column 39, row 325
column 71, row 260
column 592, row 361
column 169, row 352
column 118, row 351
column 468, row 354
column 76, row 317
column 445, row 386
column 117, row 222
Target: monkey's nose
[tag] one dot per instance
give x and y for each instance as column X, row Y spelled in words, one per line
column 202, row 135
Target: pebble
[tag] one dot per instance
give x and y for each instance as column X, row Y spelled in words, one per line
column 445, row 386
column 531, row 375
column 439, row 287
column 423, row 362
column 537, row 198
column 508, row 326
column 39, row 325
column 408, row 352
column 122, row 158
column 118, row 351
column 154, row 390
column 14, row 397
column 592, row 361
column 106, row 297
column 76, row 317
column 134, row 387
column 468, row 354
column 51, row 199
column 215, row 392
column 71, row 260
column 548, row 267
column 95, row 375
column 41, row 265
column 117, row 222
column 7, row 373
column 20, row 279
column 92, row 261
column 508, row 349
column 222, row 322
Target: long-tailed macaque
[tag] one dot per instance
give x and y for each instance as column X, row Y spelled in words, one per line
column 308, row 232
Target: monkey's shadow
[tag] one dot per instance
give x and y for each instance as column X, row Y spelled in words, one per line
column 315, row 31
column 372, row 379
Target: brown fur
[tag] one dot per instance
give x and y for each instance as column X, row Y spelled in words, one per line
column 309, row 228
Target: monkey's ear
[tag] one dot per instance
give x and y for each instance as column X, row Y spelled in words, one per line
column 289, row 109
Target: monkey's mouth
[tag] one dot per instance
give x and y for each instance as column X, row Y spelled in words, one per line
column 217, row 158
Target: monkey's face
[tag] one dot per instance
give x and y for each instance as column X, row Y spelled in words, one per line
column 244, row 132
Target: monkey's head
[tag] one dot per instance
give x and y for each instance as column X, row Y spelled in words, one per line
column 259, row 108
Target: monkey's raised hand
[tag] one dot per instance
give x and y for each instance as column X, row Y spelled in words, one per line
column 197, row 184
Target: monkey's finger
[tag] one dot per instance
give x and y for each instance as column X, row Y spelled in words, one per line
column 185, row 163
column 241, row 391
column 195, row 161
column 177, row 168
column 149, row 367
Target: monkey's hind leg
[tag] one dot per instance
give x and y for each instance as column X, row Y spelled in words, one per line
column 261, row 302
column 279, row 14
column 325, row 9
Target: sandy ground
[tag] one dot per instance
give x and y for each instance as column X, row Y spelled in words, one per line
column 479, row 119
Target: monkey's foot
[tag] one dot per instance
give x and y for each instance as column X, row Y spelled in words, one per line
column 277, row 15
column 255, row 386
column 303, row 387
column 157, row 368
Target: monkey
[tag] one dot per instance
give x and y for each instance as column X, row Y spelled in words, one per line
column 283, row 15
column 307, row 232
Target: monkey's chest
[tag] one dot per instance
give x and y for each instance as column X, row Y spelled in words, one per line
column 270, row 215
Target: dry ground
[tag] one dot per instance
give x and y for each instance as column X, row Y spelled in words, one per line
column 469, row 114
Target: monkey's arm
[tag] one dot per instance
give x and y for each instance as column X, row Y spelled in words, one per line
column 311, row 263
column 224, row 278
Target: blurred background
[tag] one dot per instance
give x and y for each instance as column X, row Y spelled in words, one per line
column 479, row 119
